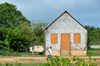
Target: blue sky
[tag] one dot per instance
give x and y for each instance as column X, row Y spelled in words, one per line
column 87, row 12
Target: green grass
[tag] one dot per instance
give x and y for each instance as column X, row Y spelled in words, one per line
column 94, row 49
column 92, row 54
column 27, row 64
column 33, row 64
column 23, row 64
column 8, row 53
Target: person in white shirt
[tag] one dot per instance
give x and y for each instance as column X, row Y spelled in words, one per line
column 50, row 53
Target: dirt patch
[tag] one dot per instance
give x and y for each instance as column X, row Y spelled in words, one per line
column 8, row 59
column 22, row 59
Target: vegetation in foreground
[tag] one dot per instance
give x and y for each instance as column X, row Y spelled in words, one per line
column 23, row 64
column 76, row 61
column 57, row 61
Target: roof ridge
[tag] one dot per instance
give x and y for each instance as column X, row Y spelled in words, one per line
column 60, row 16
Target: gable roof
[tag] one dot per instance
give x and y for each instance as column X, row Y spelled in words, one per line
column 59, row 17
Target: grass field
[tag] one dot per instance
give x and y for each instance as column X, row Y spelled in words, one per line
column 93, row 52
column 22, row 60
column 31, row 61
column 41, row 60
column 23, row 64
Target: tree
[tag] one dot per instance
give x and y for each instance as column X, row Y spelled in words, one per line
column 16, row 41
column 10, row 15
column 13, row 40
column 34, row 33
column 27, row 33
column 3, row 32
column 16, row 31
column 10, row 18
column 93, row 35
column 38, row 28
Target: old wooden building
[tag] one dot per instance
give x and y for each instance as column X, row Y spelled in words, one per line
column 66, row 36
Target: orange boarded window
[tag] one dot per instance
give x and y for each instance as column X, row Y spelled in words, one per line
column 53, row 38
column 76, row 38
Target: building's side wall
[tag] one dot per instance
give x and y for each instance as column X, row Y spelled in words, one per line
column 65, row 24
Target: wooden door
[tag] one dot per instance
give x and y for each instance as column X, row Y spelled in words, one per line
column 65, row 44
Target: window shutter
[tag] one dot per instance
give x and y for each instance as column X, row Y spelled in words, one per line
column 53, row 38
column 76, row 38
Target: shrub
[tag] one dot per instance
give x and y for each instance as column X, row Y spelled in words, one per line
column 8, row 64
column 0, row 64
column 17, row 64
column 57, row 61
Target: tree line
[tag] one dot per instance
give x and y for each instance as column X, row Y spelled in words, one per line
column 18, row 33
column 93, row 35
